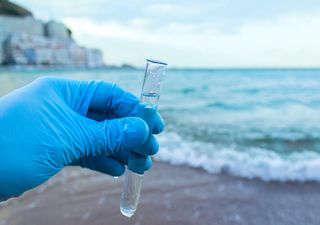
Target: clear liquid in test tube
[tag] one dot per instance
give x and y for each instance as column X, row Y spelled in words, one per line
column 150, row 95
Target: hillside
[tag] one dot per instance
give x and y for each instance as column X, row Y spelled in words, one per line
column 9, row 8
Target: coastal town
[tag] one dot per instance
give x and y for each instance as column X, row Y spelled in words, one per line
column 25, row 40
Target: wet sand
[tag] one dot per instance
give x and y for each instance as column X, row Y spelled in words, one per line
column 171, row 195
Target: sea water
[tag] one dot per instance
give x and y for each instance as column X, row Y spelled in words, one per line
column 253, row 123
column 150, row 99
column 131, row 193
column 133, row 181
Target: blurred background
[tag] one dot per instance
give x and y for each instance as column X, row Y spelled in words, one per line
column 241, row 100
column 220, row 33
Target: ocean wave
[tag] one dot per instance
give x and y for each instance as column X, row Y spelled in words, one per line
column 259, row 163
column 273, row 104
column 276, row 109
column 290, row 115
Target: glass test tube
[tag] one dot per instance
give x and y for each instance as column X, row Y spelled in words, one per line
column 150, row 95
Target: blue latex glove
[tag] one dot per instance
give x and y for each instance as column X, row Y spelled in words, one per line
column 52, row 123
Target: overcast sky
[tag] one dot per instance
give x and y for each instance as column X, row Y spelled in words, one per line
column 193, row 33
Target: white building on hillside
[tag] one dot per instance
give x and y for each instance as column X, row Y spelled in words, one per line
column 27, row 41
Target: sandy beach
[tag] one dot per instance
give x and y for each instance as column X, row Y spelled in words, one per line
column 171, row 195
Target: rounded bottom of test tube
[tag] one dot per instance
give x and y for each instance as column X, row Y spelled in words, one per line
column 127, row 212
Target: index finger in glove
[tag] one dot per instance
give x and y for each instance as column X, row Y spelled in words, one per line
column 99, row 99
column 103, row 100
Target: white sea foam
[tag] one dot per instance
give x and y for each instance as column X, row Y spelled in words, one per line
column 258, row 163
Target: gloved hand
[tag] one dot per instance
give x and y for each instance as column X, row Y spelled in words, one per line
column 52, row 123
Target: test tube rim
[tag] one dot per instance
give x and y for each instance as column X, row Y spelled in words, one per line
column 156, row 61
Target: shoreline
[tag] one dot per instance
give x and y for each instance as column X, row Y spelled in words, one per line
column 170, row 195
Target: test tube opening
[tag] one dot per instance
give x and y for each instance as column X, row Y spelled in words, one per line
column 151, row 87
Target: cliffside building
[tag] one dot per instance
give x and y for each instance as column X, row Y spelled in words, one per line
column 28, row 41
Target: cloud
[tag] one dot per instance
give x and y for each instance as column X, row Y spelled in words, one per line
column 109, row 29
column 290, row 40
column 221, row 33
column 140, row 22
column 162, row 8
